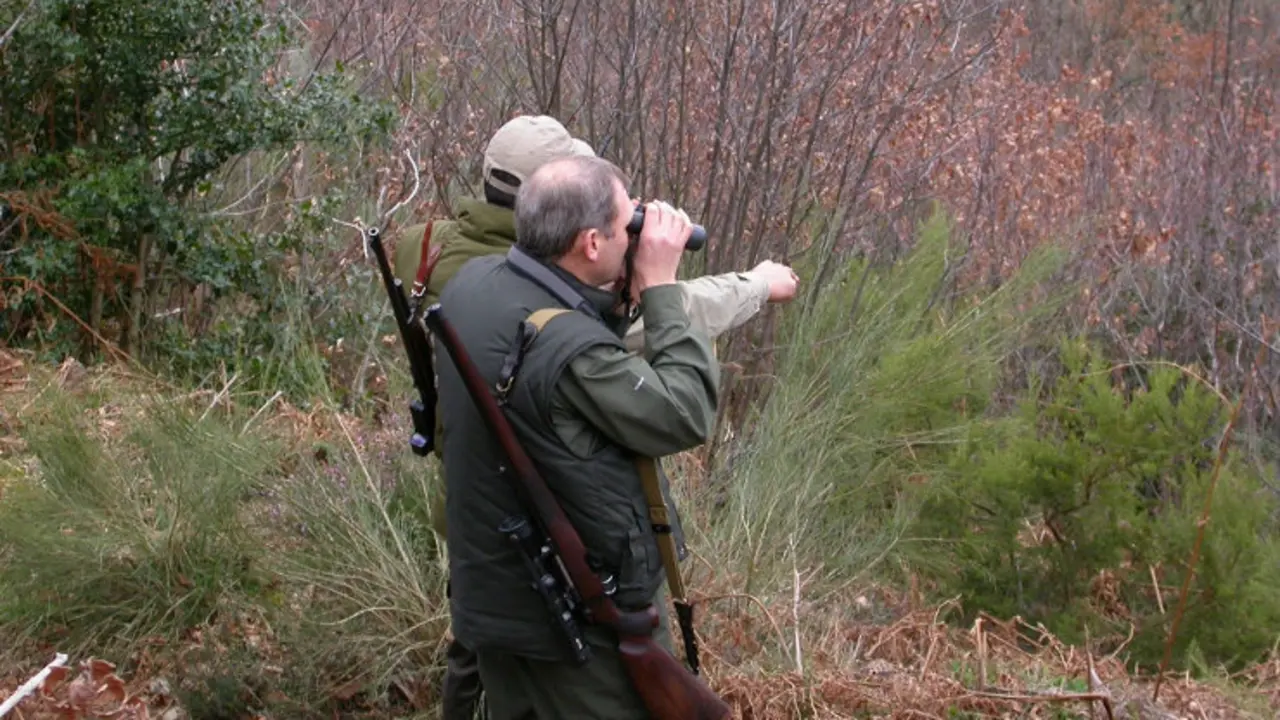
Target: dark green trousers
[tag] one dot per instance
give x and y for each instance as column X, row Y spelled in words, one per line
column 462, row 686
column 517, row 688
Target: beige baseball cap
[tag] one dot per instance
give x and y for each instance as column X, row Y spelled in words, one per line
column 523, row 144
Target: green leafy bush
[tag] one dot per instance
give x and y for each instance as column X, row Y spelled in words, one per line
column 119, row 121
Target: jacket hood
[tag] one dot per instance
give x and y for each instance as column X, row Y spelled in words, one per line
column 486, row 223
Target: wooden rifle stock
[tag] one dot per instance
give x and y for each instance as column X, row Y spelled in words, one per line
column 667, row 688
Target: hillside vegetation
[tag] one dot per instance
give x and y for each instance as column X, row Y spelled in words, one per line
column 1015, row 452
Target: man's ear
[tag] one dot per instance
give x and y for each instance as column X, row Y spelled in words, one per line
column 590, row 242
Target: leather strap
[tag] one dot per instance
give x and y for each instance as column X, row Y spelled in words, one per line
column 539, row 318
column 660, row 518
column 427, row 264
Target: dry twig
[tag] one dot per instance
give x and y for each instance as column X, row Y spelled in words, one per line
column 30, row 284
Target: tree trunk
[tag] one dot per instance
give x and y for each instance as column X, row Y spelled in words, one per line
column 95, row 318
column 137, row 297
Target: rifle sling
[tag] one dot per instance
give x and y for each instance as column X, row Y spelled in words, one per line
column 429, row 256
column 661, row 521
column 660, row 518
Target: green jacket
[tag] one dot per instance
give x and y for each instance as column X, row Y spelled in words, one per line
column 583, row 407
column 478, row 228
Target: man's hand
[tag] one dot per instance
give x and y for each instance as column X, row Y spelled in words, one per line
column 783, row 281
column 661, row 245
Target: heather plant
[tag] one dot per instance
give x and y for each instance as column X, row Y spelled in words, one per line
column 372, row 569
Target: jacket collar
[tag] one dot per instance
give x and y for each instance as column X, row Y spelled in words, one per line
column 569, row 289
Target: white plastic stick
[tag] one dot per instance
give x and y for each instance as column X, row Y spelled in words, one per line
column 30, row 686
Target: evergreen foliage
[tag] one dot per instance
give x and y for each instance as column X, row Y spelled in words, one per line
column 875, row 382
column 1062, row 512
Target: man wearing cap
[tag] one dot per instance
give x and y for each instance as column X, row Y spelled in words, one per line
column 480, row 227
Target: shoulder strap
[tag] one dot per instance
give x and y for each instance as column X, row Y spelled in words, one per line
column 539, row 318
column 529, row 329
column 427, row 264
column 661, row 521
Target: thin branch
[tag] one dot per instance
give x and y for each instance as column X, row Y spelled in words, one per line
column 267, row 176
column 111, row 347
column 59, row 661
column 9, row 34
column 1049, row 698
column 262, row 409
column 782, row 638
column 417, row 183
column 358, row 226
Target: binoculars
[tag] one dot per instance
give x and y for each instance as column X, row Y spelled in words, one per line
column 696, row 240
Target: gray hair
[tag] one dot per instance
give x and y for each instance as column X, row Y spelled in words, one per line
column 563, row 198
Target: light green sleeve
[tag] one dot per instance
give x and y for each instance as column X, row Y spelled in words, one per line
column 657, row 404
column 714, row 303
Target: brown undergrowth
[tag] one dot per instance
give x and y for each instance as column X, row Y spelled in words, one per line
column 916, row 665
column 913, row 667
column 817, row 650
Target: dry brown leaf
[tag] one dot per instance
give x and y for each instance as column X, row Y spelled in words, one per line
column 99, row 669
column 80, row 693
column 53, row 679
column 113, row 687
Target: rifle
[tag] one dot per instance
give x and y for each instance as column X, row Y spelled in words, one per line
column 667, row 689
column 414, row 336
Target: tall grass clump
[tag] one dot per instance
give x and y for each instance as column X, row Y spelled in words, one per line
column 119, row 539
column 368, row 571
column 875, row 381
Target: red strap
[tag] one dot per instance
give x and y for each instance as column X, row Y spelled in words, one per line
column 430, row 255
